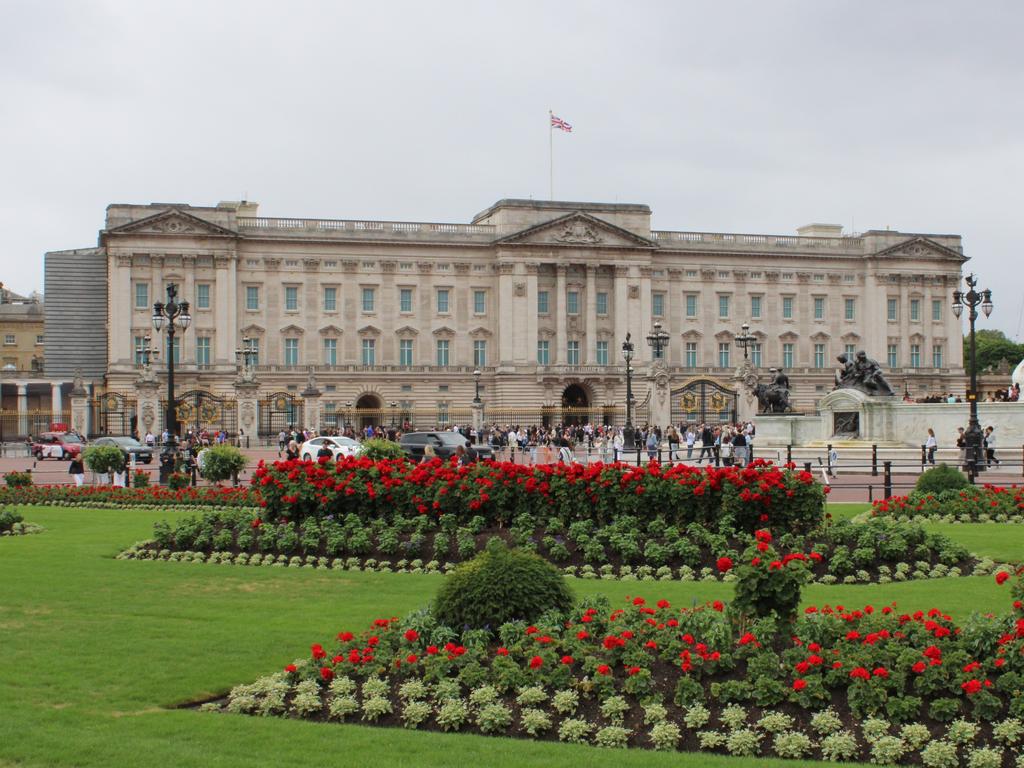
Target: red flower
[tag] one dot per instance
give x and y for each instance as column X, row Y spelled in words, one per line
column 257, row 523
column 290, row 668
column 880, row 672
column 632, row 671
column 536, row 662
column 345, row 636
column 604, row 669
column 971, row 687
column 860, row 672
column 919, row 667
column 318, row 651
column 663, row 604
column 499, row 652
column 412, row 635
column 799, row 684
column 1001, row 577
column 747, row 639
column 582, row 634
column 327, row 673
column 718, row 605
column 412, row 658
column 431, row 650
column 567, row 660
column 724, row 564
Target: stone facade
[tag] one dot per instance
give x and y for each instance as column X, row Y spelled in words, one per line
column 537, row 295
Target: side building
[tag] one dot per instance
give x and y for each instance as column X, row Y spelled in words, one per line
column 387, row 320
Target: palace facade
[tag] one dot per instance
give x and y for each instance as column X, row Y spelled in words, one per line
column 387, row 320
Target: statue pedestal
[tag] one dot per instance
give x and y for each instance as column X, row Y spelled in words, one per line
column 849, row 414
column 247, row 402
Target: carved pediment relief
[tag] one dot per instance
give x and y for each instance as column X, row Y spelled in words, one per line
column 789, row 336
column 330, row 330
column 850, row 338
column 369, row 330
column 173, row 222
column 253, row 330
column 578, row 229
column 480, row 331
column 292, row 330
column 820, row 336
column 444, row 330
column 545, row 333
column 692, row 335
column 723, row 335
column 407, row 330
column 920, row 248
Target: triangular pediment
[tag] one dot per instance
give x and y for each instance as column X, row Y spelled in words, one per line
column 289, row 330
column 480, row 331
column 407, row 330
column 577, row 230
column 330, row 330
column 253, row 330
column 173, row 221
column 369, row 330
column 444, row 330
column 920, row 248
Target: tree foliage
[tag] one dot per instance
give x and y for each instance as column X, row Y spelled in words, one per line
column 991, row 346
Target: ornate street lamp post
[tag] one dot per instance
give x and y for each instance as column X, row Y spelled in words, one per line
column 394, row 410
column 628, row 436
column 745, row 339
column 348, row 414
column 176, row 315
column 972, row 300
column 476, row 377
column 246, row 356
column 658, row 339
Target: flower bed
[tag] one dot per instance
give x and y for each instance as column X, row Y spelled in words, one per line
column 725, row 499
column 150, row 497
column 13, row 524
column 985, row 504
column 631, row 547
column 872, row 683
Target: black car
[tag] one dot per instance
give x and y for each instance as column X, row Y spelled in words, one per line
column 129, row 446
column 445, row 444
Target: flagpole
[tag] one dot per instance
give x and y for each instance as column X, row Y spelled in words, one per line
column 551, row 156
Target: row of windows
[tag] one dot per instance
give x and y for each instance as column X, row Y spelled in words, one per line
column 443, row 353
column 572, row 303
column 11, row 339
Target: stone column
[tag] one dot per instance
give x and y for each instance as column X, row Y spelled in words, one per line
column 224, row 311
column 80, row 408
column 22, row 409
column 530, row 314
column 661, row 400
column 745, row 380
column 478, row 419
column 56, row 400
column 590, row 353
column 621, row 309
column 506, row 309
column 247, row 401
column 147, row 394
column 645, row 314
column 561, row 336
column 311, row 406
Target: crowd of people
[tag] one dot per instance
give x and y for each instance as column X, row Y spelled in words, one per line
column 1009, row 395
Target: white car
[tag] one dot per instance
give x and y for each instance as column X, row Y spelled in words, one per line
column 340, row 446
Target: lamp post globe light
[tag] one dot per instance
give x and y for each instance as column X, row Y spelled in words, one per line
column 972, row 299
column 745, row 339
column 476, row 377
column 394, row 410
column 658, row 339
column 628, row 436
column 174, row 315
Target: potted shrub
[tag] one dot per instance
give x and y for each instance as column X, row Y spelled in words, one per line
column 221, row 462
column 103, row 460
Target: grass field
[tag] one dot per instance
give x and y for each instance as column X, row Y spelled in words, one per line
column 95, row 653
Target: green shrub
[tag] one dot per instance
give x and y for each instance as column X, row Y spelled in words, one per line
column 18, row 479
column 140, row 480
column 178, row 480
column 104, row 459
column 222, row 462
column 940, row 478
column 498, row 586
column 377, row 448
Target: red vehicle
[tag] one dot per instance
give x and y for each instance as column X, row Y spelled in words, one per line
column 57, row 445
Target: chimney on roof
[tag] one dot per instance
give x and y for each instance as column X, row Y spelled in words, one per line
column 820, row 230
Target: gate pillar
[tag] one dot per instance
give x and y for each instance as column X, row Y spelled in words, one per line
column 247, row 402
column 659, row 397
column 79, row 406
column 147, row 407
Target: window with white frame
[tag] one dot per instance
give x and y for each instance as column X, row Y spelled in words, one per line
column 723, row 354
column 369, row 351
column 405, row 352
column 291, row 351
column 602, row 353
column 330, row 351
column 443, row 348
column 479, row 353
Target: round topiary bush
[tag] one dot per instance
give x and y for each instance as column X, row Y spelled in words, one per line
column 500, row 585
column 221, row 462
column 377, row 448
column 941, row 478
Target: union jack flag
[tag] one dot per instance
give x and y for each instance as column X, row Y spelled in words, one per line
column 557, row 122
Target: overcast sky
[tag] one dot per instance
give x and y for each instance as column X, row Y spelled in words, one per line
column 722, row 116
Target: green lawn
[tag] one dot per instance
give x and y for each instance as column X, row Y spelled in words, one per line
column 1000, row 542
column 846, row 510
column 94, row 651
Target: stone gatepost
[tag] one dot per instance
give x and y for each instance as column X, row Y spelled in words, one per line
column 147, row 407
column 79, row 406
column 745, row 379
column 311, row 409
column 247, row 402
column 660, row 396
column 478, row 420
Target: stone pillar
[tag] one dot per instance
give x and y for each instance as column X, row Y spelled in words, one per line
column 506, row 308
column 478, row 420
column 661, row 400
column 590, row 354
column 147, row 404
column 80, row 408
column 56, row 401
column 745, row 380
column 311, row 407
column 247, row 401
column 22, row 409
column 561, row 337
column 621, row 309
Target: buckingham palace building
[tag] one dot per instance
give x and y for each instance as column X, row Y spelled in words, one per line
column 526, row 306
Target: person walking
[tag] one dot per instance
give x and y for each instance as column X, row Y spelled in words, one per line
column 707, row 443
column 652, row 445
column 691, row 438
column 930, row 445
column 77, row 470
column 739, row 448
column 990, row 447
